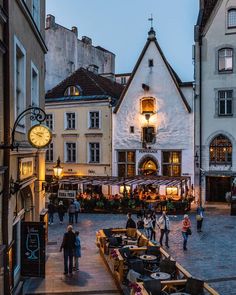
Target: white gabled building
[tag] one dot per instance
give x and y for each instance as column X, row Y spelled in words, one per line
column 153, row 131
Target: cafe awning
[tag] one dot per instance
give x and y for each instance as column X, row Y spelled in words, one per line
column 117, row 181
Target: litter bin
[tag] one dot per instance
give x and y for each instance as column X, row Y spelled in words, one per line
column 233, row 207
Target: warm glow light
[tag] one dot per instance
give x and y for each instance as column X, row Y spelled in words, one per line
column 122, row 188
column 172, row 190
column 58, row 169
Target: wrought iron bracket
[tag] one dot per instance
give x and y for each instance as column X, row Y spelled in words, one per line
column 35, row 114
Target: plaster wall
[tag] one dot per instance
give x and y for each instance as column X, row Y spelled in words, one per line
column 82, row 136
column 173, row 123
column 217, row 36
column 67, row 53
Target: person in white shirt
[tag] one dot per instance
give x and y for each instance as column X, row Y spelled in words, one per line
column 164, row 224
column 148, row 225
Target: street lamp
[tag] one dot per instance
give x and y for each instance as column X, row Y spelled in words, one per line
column 58, row 169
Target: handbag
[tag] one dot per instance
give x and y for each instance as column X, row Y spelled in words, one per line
column 198, row 217
column 188, row 231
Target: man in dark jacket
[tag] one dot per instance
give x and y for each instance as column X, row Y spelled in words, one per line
column 51, row 210
column 68, row 245
column 130, row 222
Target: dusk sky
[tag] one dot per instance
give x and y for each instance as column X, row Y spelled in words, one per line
column 122, row 27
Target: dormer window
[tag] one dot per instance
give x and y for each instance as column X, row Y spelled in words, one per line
column 231, row 18
column 72, row 91
column 148, row 105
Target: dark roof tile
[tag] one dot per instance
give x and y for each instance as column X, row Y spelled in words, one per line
column 89, row 83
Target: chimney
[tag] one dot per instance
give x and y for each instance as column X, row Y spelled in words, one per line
column 75, row 30
column 87, row 40
column 50, row 21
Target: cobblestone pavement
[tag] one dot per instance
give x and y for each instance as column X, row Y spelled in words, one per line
column 211, row 254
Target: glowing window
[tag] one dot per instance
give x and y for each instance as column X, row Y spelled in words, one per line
column 147, row 105
column 72, row 91
column 221, row 150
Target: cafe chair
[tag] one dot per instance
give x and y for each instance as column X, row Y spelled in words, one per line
column 153, row 287
column 108, row 232
column 154, row 264
column 168, row 266
column 131, row 233
column 114, row 243
column 138, row 266
column 194, row 286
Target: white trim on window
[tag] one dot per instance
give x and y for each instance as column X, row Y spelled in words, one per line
column 35, row 95
column 21, row 68
column 53, row 123
column 65, row 152
column 99, row 118
column 65, row 121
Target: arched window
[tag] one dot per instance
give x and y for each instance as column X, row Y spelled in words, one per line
column 221, row 150
column 225, row 59
column 231, row 18
column 148, row 105
column 72, row 91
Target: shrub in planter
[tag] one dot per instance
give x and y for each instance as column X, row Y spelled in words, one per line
column 100, row 204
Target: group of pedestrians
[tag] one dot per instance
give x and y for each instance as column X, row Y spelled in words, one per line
column 72, row 250
column 149, row 224
column 73, row 211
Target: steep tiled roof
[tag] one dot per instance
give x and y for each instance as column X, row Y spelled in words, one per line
column 90, row 84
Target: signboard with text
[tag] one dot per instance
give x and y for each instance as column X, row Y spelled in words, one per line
column 33, row 249
column 66, row 194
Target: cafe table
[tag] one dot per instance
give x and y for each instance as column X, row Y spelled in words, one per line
column 162, row 276
column 180, row 293
column 148, row 257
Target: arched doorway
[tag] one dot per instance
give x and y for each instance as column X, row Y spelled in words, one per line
column 148, row 166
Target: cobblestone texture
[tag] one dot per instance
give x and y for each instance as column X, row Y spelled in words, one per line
column 211, row 254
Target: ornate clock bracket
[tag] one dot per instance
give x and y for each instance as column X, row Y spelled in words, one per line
column 35, row 114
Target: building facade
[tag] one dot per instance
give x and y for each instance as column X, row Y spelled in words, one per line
column 79, row 111
column 67, row 53
column 23, row 192
column 215, row 96
column 153, row 121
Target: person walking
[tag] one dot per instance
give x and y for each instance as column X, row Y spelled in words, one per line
column 164, row 224
column 71, row 211
column 186, row 230
column 51, row 211
column 68, row 245
column 199, row 217
column 77, row 250
column 148, row 225
column 61, row 211
column 153, row 229
column 130, row 222
column 77, row 209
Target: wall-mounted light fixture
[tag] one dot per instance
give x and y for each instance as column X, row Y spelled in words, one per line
column 57, row 169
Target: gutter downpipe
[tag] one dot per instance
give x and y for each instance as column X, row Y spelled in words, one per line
column 7, row 138
column 200, row 119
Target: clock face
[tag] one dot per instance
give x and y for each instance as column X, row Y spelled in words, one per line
column 39, row 136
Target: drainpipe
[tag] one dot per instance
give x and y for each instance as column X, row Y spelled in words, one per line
column 7, row 134
column 200, row 119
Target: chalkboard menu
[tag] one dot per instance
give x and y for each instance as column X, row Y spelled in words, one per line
column 33, row 249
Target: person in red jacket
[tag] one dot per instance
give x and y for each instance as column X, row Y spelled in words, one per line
column 186, row 226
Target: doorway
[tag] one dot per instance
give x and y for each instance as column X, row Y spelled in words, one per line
column 217, row 187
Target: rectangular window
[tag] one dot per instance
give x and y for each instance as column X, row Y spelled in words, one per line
column 225, row 99
column 126, row 163
column 94, row 152
column 171, row 163
column 131, row 129
column 36, row 12
column 20, row 79
column 71, row 152
column 94, row 120
column 149, row 135
column 123, row 80
column 49, row 121
column 49, row 153
column 225, row 57
column 150, row 63
column 70, row 120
